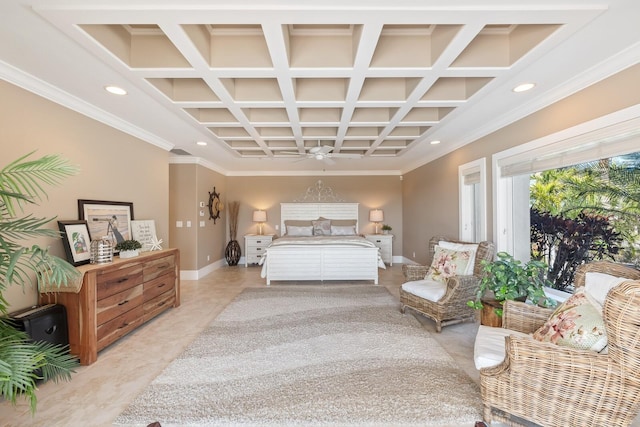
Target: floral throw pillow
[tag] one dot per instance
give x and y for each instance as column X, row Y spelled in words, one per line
column 576, row 323
column 447, row 263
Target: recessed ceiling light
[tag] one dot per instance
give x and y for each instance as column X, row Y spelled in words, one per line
column 115, row 90
column 201, row 143
column 434, row 142
column 524, row 87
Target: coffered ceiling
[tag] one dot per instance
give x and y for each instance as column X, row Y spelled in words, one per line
column 263, row 82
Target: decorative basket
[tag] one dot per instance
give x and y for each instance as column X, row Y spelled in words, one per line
column 101, row 251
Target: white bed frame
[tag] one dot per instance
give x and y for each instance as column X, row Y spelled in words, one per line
column 320, row 263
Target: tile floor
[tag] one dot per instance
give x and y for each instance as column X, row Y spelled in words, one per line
column 99, row 392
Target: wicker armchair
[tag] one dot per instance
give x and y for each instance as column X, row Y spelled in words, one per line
column 550, row 385
column 452, row 307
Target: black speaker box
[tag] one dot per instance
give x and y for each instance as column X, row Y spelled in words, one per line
column 46, row 323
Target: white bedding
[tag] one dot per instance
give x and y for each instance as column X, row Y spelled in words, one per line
column 321, row 258
column 354, row 240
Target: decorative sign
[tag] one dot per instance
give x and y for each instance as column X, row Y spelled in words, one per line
column 144, row 231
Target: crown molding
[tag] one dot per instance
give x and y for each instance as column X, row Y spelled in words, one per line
column 41, row 88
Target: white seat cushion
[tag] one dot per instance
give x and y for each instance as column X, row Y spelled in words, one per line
column 427, row 289
column 488, row 349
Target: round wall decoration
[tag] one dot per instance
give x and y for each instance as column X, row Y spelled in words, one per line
column 215, row 206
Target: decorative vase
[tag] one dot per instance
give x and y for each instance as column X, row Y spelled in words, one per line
column 101, row 251
column 232, row 252
column 129, row 254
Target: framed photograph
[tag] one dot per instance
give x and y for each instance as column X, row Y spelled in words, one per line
column 76, row 240
column 111, row 220
column 144, row 231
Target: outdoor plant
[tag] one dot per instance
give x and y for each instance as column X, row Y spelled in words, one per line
column 565, row 243
column 21, row 360
column 128, row 245
column 510, row 279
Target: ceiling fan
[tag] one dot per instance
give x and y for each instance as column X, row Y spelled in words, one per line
column 324, row 152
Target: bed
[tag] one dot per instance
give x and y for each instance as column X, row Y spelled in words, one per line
column 326, row 257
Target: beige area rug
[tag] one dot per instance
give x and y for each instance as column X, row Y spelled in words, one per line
column 310, row 356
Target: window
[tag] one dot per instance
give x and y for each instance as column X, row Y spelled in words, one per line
column 472, row 179
column 609, row 136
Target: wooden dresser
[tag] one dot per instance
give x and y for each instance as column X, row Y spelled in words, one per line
column 116, row 298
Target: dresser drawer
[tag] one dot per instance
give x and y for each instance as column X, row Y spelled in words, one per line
column 119, row 326
column 157, row 305
column 158, row 267
column 116, row 281
column 159, row 286
column 113, row 306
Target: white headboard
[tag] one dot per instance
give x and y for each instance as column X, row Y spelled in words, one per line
column 311, row 211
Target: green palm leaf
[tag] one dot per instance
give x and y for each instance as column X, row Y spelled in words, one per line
column 22, row 179
column 21, row 183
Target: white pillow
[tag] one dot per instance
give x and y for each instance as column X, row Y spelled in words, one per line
column 295, row 231
column 471, row 247
column 598, row 285
column 343, row 230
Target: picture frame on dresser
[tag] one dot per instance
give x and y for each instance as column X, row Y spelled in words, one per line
column 144, row 231
column 107, row 219
column 76, row 240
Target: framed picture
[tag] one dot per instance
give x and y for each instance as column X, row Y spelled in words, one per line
column 76, row 240
column 111, row 220
column 144, row 231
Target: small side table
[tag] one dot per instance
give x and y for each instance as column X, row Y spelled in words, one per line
column 254, row 247
column 385, row 243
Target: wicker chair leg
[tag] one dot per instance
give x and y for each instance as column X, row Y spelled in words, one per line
column 438, row 326
column 486, row 414
column 403, row 308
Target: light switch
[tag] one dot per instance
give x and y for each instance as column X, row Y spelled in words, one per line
column 201, row 223
column 202, row 204
column 188, row 223
column 179, row 224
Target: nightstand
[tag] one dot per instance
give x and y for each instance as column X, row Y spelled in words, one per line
column 385, row 243
column 254, row 247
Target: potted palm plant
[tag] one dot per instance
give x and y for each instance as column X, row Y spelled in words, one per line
column 21, row 360
column 507, row 278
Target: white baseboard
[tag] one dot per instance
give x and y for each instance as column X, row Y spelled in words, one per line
column 198, row 274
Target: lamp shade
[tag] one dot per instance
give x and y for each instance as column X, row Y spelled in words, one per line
column 260, row 216
column 376, row 215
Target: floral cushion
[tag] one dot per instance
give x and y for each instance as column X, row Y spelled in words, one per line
column 321, row 227
column 447, row 263
column 576, row 323
column 471, row 247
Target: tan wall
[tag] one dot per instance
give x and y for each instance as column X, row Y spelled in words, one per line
column 267, row 193
column 113, row 165
column 430, row 193
column 199, row 246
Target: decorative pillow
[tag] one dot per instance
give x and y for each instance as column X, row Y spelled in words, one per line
column 296, row 223
column 295, row 231
column 598, row 285
column 471, row 247
column 576, row 323
column 447, row 263
column 343, row 230
column 321, row 227
column 352, row 222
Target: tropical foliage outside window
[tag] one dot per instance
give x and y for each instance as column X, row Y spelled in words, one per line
column 586, row 212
